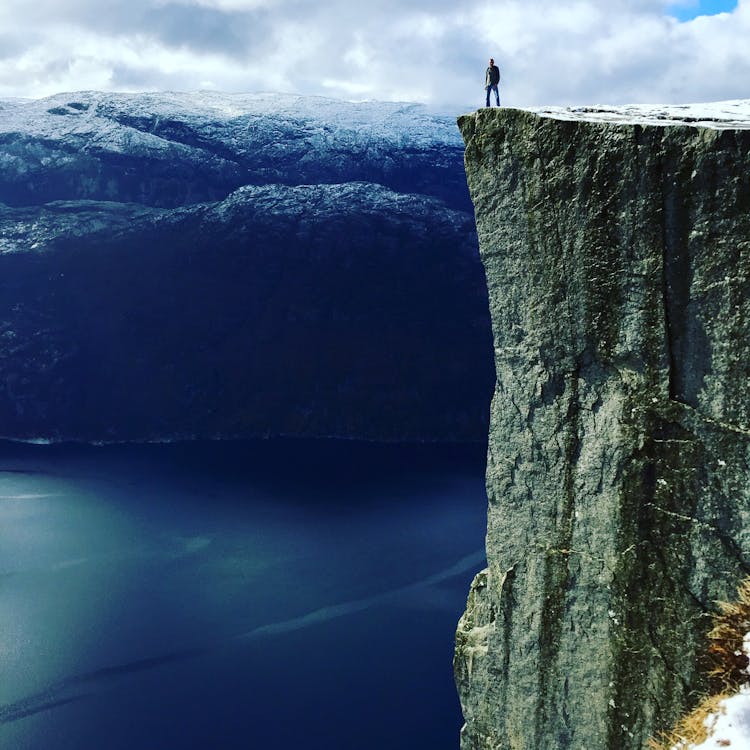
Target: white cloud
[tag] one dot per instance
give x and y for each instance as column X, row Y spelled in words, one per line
column 550, row 52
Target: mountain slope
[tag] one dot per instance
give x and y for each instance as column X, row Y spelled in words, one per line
column 224, row 266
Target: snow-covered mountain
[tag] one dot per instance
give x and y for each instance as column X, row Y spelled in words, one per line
column 178, row 265
column 170, row 149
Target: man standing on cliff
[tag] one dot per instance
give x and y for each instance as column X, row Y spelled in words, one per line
column 491, row 80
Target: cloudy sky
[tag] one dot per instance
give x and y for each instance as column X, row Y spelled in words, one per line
column 433, row 51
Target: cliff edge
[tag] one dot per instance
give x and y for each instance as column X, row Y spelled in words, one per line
column 617, row 250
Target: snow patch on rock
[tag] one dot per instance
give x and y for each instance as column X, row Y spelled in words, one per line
column 730, row 725
column 733, row 114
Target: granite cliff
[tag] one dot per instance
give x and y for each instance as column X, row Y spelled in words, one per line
column 214, row 265
column 617, row 250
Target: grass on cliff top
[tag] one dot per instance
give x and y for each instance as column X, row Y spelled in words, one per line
column 728, row 672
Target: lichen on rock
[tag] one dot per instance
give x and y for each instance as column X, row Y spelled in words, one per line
column 617, row 257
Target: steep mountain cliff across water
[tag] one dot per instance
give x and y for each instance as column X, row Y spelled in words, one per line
column 213, row 265
column 617, row 250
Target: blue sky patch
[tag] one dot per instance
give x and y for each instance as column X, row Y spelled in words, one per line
column 686, row 10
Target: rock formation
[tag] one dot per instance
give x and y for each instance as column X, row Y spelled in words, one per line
column 206, row 265
column 617, row 250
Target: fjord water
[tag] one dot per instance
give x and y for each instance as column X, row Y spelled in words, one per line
column 276, row 593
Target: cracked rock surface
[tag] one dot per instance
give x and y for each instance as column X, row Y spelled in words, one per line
column 617, row 253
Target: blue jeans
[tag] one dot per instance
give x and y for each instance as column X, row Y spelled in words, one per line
column 497, row 94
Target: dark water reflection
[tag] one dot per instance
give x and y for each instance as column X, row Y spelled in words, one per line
column 233, row 595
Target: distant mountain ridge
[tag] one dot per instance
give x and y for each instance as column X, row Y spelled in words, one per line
column 172, row 149
column 208, row 265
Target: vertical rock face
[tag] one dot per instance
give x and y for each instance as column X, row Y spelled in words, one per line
column 617, row 252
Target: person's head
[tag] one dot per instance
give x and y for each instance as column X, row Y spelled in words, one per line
column 492, row 62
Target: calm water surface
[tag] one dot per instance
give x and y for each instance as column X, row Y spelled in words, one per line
column 285, row 594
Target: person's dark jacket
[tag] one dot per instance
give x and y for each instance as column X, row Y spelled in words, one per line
column 492, row 76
